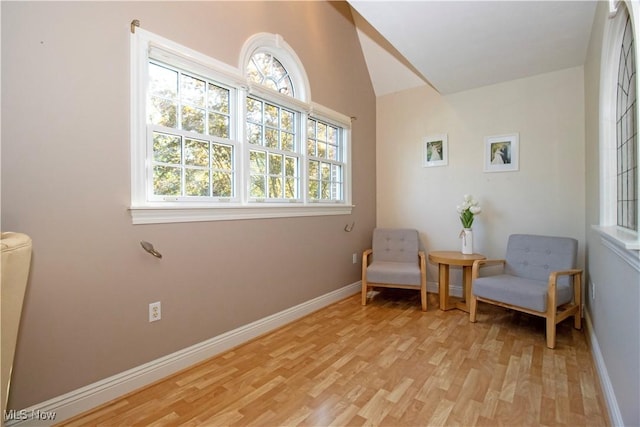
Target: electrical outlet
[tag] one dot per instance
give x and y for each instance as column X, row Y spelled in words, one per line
column 155, row 311
column 354, row 258
column 592, row 289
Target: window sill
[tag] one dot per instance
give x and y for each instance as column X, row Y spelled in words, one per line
column 624, row 239
column 171, row 214
column 624, row 244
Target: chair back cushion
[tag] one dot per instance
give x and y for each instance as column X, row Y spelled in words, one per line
column 395, row 245
column 535, row 257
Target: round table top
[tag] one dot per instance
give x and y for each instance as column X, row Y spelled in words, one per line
column 454, row 258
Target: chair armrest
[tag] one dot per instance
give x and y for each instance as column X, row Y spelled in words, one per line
column 552, row 286
column 479, row 263
column 365, row 257
column 553, row 278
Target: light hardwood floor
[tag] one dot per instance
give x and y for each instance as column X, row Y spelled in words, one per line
column 387, row 363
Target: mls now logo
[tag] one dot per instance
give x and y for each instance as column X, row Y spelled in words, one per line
column 24, row 415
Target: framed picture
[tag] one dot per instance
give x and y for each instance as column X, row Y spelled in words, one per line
column 434, row 151
column 501, row 153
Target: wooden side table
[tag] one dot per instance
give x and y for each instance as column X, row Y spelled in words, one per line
column 445, row 259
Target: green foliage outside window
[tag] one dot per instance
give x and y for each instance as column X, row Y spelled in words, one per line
column 187, row 166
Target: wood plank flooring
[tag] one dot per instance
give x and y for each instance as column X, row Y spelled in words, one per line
column 386, row 364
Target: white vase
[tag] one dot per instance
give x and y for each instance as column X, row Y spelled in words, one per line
column 467, row 241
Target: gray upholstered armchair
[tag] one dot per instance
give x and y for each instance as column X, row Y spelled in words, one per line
column 539, row 277
column 16, row 259
column 395, row 261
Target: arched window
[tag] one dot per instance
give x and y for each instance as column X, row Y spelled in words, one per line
column 627, row 131
column 265, row 69
column 268, row 60
column 294, row 154
column 619, row 205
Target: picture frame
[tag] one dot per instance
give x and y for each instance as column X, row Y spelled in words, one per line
column 501, row 153
column 435, row 149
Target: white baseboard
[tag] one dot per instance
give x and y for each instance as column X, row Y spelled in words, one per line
column 93, row 395
column 601, row 368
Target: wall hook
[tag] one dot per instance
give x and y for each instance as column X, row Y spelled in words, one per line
column 149, row 248
column 135, row 23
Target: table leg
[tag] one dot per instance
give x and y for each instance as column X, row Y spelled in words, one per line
column 443, row 285
column 466, row 289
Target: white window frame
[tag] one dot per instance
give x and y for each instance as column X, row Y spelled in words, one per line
column 297, row 150
column 333, row 162
column 625, row 241
column 145, row 210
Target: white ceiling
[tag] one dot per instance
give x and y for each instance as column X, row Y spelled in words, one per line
column 461, row 45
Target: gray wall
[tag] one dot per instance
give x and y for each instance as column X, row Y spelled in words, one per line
column 65, row 182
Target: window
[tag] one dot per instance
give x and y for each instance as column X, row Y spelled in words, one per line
column 325, row 168
column 188, row 121
column 273, row 157
column 618, row 135
column 210, row 141
column 627, row 133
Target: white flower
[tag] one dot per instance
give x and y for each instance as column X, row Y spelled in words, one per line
column 467, row 210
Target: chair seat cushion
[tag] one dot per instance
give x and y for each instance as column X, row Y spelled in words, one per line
column 513, row 290
column 396, row 273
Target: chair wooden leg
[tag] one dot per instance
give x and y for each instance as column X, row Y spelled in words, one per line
column 577, row 320
column 423, row 297
column 551, row 333
column 551, row 323
column 577, row 299
column 473, row 307
column 552, row 310
column 423, row 279
column 364, row 292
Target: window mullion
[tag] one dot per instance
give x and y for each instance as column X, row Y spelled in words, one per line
column 183, row 168
column 301, row 142
column 211, row 174
column 244, row 165
column 149, row 162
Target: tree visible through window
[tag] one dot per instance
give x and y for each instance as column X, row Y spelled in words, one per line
column 324, row 149
column 273, row 156
column 181, row 106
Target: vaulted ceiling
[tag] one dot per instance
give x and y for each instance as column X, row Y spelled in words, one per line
column 461, row 45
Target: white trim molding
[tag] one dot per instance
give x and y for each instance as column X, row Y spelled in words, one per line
column 601, row 368
column 98, row 393
column 165, row 214
column 613, row 8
